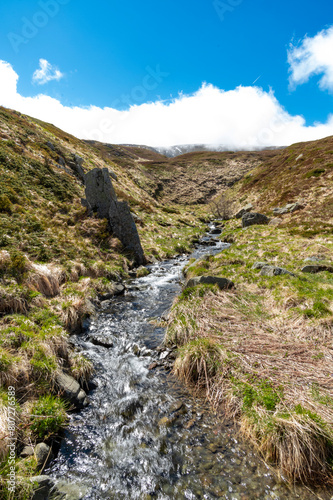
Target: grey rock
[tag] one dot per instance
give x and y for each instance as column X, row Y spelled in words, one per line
column 280, row 211
column 223, row 283
column 292, row 207
column 289, row 208
column 216, row 230
column 82, row 400
column 113, row 175
column 165, row 315
column 76, row 166
column 252, row 218
column 101, row 341
column 313, row 259
column 316, row 268
column 85, row 204
column 117, row 289
column 50, row 145
column 123, row 226
column 70, row 389
column 70, row 491
column 102, row 198
column 275, row 221
column 43, row 487
column 259, row 265
column 27, row 451
column 165, row 355
column 274, row 271
column 244, row 210
column 43, row 454
column 99, row 191
column 136, row 218
column 61, row 161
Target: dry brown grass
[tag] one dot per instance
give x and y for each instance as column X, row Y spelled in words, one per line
column 226, row 347
column 74, row 311
column 11, row 303
column 45, row 280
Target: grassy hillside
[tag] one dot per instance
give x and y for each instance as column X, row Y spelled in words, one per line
column 262, row 352
column 302, row 172
column 55, row 260
column 192, row 178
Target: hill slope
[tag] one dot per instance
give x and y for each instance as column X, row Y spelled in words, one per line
column 262, row 350
column 301, row 173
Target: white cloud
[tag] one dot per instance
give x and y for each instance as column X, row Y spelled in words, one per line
column 314, row 56
column 46, row 73
column 246, row 117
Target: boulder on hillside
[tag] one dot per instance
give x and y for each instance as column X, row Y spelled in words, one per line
column 316, row 268
column 259, row 265
column 100, row 192
column 223, row 283
column 101, row 197
column 76, row 166
column 276, row 221
column 252, row 218
column 289, row 208
column 274, row 271
column 244, row 210
column 123, row 226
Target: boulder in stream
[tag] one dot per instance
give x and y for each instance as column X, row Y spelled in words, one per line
column 70, row 389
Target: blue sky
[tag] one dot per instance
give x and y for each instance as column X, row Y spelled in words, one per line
column 122, row 55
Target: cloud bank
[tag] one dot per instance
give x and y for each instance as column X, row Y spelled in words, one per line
column 46, row 73
column 243, row 118
column 314, row 56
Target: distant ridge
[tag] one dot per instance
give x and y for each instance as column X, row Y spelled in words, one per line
column 173, row 151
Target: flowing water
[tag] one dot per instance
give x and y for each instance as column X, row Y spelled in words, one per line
column 143, row 436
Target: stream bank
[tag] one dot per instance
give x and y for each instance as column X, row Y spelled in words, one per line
column 143, row 436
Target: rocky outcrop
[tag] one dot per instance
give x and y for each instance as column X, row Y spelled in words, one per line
column 276, row 221
column 274, row 271
column 223, row 283
column 252, row 218
column 76, row 166
column 101, row 198
column 259, row 265
column 100, row 192
column 289, row 208
column 316, row 268
column 123, row 226
column 244, row 210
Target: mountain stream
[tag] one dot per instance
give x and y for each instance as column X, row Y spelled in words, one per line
column 143, row 436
